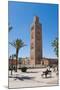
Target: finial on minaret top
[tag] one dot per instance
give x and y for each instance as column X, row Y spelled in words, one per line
column 36, row 19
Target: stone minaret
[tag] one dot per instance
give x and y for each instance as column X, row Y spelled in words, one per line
column 36, row 42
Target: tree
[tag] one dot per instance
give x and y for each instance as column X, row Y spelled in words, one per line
column 55, row 45
column 18, row 44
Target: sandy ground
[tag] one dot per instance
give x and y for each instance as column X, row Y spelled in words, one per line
column 32, row 78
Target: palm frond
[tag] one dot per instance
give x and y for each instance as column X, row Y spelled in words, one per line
column 12, row 44
column 10, row 28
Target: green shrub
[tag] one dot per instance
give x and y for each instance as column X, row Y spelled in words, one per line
column 23, row 69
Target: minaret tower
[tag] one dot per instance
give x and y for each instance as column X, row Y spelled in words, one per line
column 36, row 42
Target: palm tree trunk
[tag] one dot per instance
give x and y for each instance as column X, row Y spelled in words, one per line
column 16, row 58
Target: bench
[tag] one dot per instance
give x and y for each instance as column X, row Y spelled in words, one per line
column 45, row 73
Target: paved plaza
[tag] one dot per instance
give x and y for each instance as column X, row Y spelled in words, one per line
column 32, row 78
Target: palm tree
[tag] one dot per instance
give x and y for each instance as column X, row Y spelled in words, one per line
column 18, row 44
column 55, row 45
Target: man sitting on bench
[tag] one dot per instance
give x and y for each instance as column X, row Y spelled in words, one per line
column 47, row 72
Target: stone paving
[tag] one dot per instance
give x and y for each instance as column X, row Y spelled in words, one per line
column 32, row 78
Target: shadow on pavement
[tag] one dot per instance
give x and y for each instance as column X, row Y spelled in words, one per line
column 22, row 78
column 47, row 77
column 31, row 72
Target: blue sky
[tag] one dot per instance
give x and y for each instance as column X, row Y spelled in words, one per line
column 20, row 16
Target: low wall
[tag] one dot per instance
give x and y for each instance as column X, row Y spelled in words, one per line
column 32, row 66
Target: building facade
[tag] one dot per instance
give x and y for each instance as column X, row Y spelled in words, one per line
column 49, row 61
column 36, row 42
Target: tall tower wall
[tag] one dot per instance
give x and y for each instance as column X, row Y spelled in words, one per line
column 36, row 42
